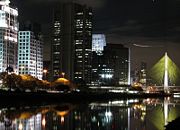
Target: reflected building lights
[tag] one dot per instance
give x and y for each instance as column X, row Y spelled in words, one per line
column 44, row 122
column 20, row 126
column 118, row 114
column 62, row 119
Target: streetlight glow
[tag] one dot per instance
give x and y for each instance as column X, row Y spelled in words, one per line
column 63, row 74
column 45, row 73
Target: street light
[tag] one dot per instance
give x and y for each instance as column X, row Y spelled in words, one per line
column 63, row 74
column 45, row 72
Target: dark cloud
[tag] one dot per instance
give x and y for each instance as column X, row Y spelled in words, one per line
column 41, row 10
column 151, row 19
column 92, row 3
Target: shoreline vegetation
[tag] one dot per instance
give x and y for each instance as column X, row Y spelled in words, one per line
column 15, row 88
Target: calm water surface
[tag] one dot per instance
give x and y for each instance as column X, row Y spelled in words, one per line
column 139, row 114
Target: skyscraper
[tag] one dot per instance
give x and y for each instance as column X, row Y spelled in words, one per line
column 72, row 42
column 30, row 53
column 8, row 36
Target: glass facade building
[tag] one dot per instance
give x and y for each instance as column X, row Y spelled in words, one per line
column 98, row 43
column 8, row 36
column 112, row 67
column 30, row 54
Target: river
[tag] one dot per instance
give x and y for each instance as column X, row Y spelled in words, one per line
column 135, row 114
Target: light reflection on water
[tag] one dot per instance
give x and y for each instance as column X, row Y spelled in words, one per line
column 138, row 114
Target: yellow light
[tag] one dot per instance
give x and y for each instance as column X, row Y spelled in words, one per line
column 63, row 80
column 25, row 115
column 62, row 113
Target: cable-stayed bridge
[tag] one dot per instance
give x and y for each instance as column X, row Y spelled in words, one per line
column 166, row 74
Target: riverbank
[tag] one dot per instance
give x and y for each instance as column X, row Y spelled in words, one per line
column 73, row 97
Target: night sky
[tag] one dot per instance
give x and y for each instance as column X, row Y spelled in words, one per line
column 148, row 27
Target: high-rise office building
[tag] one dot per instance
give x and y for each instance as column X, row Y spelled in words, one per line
column 8, row 36
column 112, row 67
column 72, row 42
column 30, row 54
column 98, row 43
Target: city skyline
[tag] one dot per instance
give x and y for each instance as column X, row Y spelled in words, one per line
column 152, row 25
